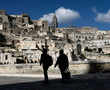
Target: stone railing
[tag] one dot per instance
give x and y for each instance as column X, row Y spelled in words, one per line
column 77, row 67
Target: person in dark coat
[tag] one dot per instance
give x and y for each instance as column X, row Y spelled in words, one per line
column 62, row 62
column 45, row 62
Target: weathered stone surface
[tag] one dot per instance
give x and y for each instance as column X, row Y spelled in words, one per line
column 75, row 68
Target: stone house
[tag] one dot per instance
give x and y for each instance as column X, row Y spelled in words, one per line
column 7, row 58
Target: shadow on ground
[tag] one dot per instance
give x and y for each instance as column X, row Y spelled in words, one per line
column 76, row 83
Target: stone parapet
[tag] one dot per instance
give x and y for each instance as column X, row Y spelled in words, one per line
column 75, row 68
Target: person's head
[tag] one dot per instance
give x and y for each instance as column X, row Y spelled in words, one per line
column 61, row 51
column 42, row 46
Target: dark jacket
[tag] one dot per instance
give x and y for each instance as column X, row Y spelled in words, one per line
column 45, row 60
column 62, row 62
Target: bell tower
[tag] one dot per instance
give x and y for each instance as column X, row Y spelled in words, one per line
column 54, row 22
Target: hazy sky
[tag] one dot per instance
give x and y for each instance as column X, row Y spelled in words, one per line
column 94, row 13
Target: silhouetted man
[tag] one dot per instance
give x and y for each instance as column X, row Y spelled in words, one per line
column 62, row 62
column 46, row 61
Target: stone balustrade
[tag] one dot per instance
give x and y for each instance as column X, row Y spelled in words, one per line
column 77, row 67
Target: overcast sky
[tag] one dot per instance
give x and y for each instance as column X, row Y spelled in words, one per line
column 95, row 13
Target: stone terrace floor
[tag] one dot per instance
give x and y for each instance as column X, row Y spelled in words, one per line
column 98, row 81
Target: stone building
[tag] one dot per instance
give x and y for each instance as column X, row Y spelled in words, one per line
column 4, row 20
column 54, row 24
column 27, row 35
column 41, row 25
column 83, row 34
column 7, row 58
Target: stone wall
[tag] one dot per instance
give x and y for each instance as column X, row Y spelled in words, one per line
column 75, row 68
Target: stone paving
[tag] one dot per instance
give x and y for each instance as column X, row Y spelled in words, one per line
column 98, row 81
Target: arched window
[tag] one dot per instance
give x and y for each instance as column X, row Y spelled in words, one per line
column 76, row 36
column 79, row 37
column 43, row 25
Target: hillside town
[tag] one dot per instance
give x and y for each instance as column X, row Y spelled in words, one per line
column 22, row 40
